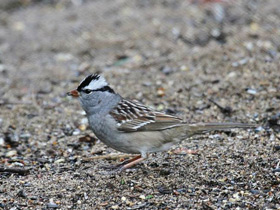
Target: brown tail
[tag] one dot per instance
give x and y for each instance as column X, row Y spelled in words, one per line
column 206, row 127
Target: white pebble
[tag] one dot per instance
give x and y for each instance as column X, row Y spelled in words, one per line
column 11, row 153
column 2, row 142
column 142, row 197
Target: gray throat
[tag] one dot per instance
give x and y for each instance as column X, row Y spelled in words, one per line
column 101, row 103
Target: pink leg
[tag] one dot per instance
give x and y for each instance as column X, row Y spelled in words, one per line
column 121, row 165
column 131, row 160
column 132, row 163
column 127, row 161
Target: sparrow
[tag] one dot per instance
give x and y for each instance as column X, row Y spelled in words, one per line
column 131, row 127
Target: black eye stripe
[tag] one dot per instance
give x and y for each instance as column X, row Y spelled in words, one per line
column 87, row 91
column 106, row 88
column 103, row 89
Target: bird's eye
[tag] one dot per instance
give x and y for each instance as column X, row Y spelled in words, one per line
column 87, row 91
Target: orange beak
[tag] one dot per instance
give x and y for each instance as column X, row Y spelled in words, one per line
column 73, row 93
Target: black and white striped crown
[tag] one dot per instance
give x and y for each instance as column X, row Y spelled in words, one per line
column 94, row 82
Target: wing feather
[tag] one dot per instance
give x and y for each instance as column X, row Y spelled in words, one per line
column 133, row 116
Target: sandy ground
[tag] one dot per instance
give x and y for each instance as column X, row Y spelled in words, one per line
column 175, row 56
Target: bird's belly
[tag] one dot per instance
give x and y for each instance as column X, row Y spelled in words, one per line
column 145, row 142
column 134, row 142
column 113, row 138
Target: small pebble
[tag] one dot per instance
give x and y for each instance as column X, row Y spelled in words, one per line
column 63, row 57
column 18, row 26
column 52, row 206
column 11, row 153
column 176, row 31
column 33, row 198
column 277, row 147
column 249, row 46
column 251, row 91
column 216, row 136
column 146, row 83
column 84, row 120
column 160, row 92
column 17, row 164
column 254, row 26
column 258, row 129
column 256, row 115
column 2, row 142
column 167, row 70
column 25, row 136
column 76, row 132
column 216, row 33
column 160, row 107
column 115, row 207
column 184, row 68
column 181, row 190
column 240, row 62
column 83, row 127
column 142, row 197
column 236, row 196
column 232, row 200
column 27, row 184
column 164, row 172
column 276, row 170
column 87, row 138
column 21, row 194
column 2, row 68
column 62, row 160
column 255, row 192
column 231, row 75
column 219, row 12
column 243, row 61
column 164, row 190
column 82, row 112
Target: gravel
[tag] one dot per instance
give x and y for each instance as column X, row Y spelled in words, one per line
column 175, row 56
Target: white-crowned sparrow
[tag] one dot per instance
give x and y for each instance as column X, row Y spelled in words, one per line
column 131, row 127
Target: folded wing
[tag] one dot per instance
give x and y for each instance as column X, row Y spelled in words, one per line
column 133, row 116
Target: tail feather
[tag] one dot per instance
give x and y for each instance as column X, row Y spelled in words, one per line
column 198, row 128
